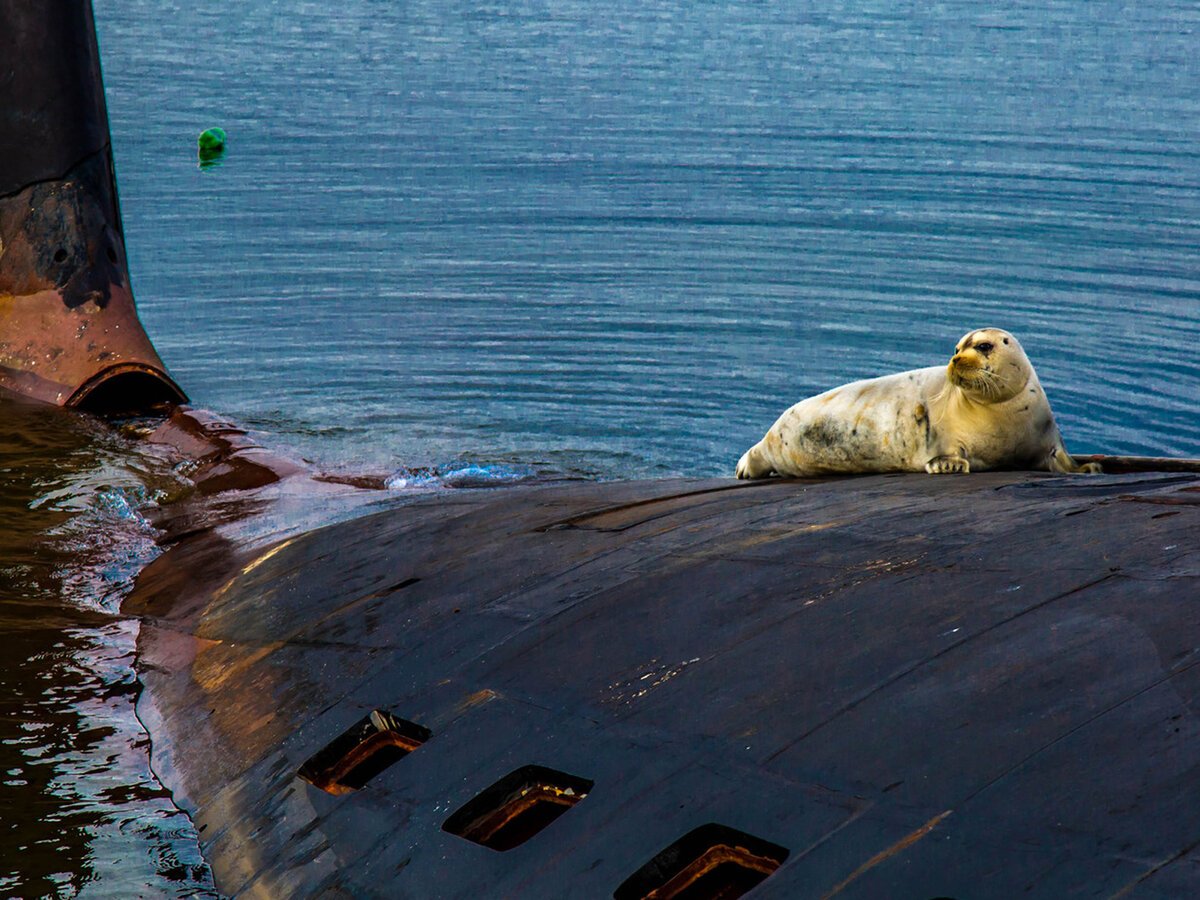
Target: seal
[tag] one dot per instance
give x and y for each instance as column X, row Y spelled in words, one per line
column 984, row 410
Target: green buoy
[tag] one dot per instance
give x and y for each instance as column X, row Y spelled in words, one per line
column 210, row 147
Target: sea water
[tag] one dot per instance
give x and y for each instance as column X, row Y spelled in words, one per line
column 619, row 238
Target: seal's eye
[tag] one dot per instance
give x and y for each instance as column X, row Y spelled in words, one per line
column 985, row 347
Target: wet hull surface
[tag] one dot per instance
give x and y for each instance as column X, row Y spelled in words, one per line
column 898, row 686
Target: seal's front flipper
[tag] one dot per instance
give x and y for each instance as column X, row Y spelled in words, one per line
column 752, row 464
column 948, row 465
column 1060, row 461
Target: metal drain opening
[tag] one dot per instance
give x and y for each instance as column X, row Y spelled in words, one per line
column 712, row 862
column 517, row 807
column 369, row 747
column 126, row 390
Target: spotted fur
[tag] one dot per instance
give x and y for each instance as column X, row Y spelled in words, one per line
column 984, row 410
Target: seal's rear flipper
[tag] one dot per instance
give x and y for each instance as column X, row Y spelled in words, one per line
column 752, row 464
column 1060, row 461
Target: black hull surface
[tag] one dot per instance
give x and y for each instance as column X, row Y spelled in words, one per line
column 880, row 687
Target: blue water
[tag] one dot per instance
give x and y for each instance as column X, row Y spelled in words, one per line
column 603, row 238
column 619, row 238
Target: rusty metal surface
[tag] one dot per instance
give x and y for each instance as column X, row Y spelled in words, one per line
column 69, row 332
column 979, row 687
column 221, row 456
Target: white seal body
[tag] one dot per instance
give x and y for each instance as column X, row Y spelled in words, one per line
column 985, row 410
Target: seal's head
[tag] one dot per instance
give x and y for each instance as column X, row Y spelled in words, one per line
column 989, row 366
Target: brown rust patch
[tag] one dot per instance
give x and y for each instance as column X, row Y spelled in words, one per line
column 62, row 273
column 477, row 699
column 218, row 661
column 488, row 829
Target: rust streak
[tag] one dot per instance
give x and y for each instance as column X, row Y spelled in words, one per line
column 1124, row 892
column 254, row 564
column 477, row 698
column 883, row 855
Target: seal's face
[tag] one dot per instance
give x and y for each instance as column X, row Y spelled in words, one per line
column 989, row 366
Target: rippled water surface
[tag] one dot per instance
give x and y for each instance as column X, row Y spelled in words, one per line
column 600, row 238
column 621, row 237
column 81, row 814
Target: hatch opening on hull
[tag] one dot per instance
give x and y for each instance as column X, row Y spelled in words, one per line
column 517, row 807
column 713, row 861
column 366, row 749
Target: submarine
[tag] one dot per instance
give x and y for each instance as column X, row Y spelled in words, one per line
column 890, row 686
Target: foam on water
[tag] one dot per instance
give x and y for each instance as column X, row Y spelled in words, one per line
column 464, row 475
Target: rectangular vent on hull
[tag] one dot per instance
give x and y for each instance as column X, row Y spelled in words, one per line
column 517, row 807
column 366, row 749
column 713, row 862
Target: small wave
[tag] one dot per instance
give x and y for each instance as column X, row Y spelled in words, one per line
column 104, row 546
column 469, row 475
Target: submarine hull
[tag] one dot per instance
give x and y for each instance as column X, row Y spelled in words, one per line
column 889, row 686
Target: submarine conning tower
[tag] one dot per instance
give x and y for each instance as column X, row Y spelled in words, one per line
column 69, row 330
